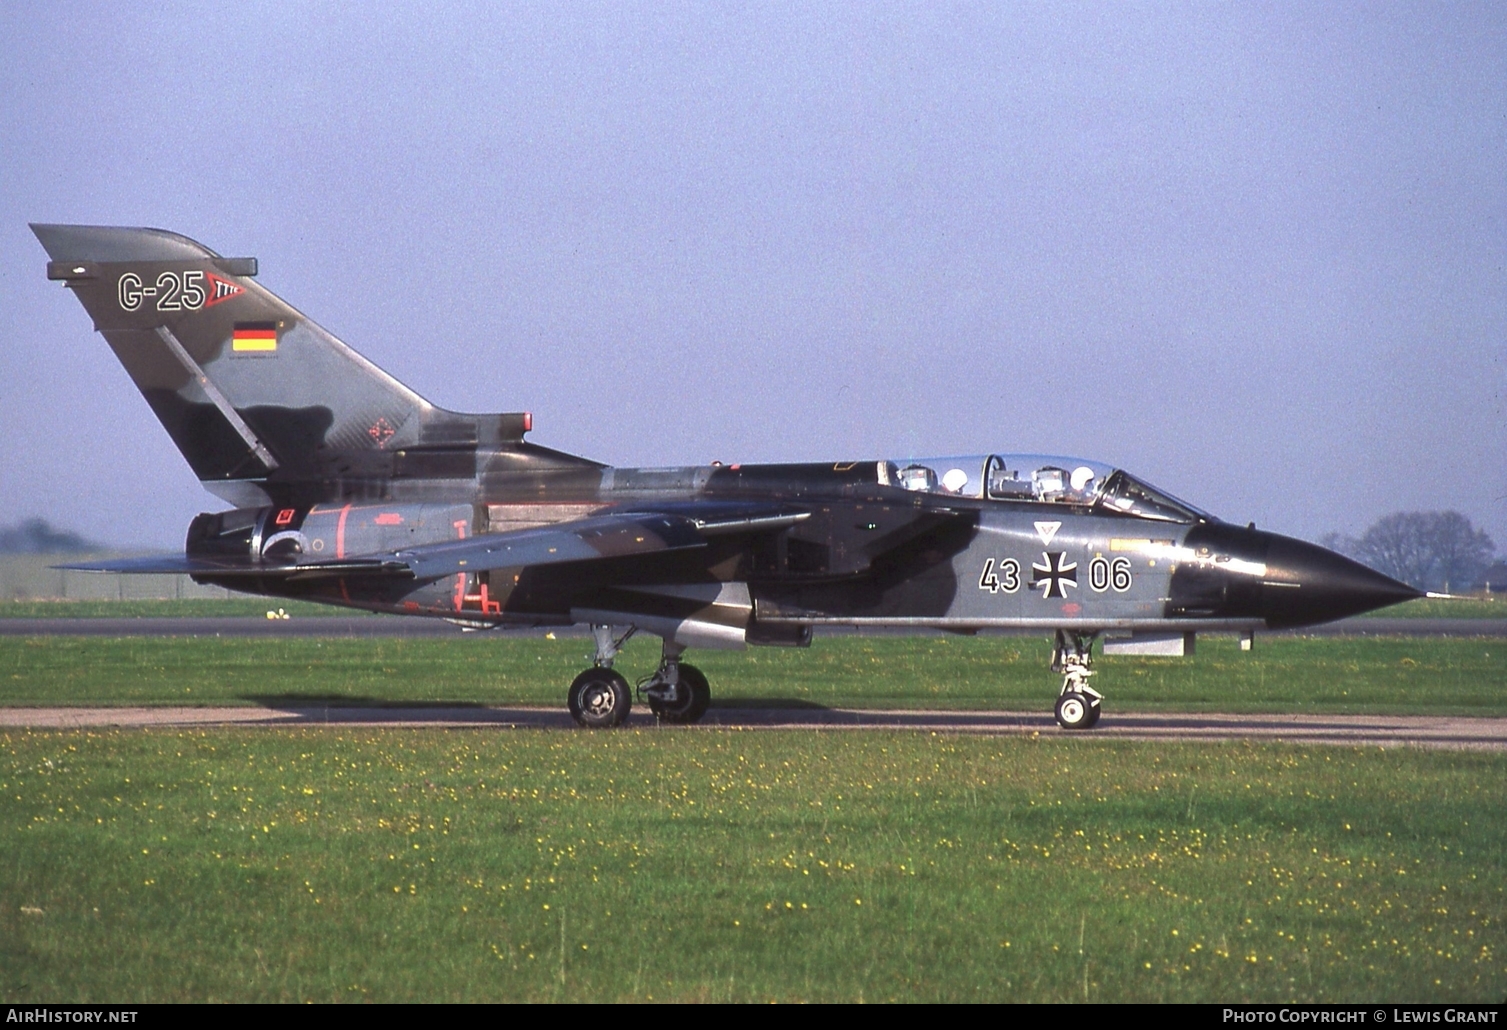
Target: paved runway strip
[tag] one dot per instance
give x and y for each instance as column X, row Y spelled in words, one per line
column 1435, row 732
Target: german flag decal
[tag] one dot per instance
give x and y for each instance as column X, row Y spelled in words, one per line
column 254, row 338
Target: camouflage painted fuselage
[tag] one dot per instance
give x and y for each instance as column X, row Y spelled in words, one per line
column 350, row 488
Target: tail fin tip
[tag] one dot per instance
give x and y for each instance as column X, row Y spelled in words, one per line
column 105, row 244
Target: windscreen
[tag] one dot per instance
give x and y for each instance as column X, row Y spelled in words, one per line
column 1126, row 495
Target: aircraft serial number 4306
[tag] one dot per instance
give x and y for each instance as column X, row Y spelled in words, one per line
column 349, row 488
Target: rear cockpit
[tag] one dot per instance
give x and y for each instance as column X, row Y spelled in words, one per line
column 1039, row 479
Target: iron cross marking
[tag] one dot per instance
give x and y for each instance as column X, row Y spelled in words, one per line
column 1053, row 574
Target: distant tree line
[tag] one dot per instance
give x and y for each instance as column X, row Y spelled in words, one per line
column 38, row 536
column 1431, row 550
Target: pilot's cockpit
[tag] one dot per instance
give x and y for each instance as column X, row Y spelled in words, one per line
column 1039, row 479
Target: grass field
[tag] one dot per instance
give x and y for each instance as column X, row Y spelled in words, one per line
column 1284, row 674
column 402, row 865
column 1445, row 608
column 394, row 865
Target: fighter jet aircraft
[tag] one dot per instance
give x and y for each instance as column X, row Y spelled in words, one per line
column 349, row 488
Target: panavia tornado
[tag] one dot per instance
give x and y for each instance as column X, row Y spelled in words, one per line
column 349, row 488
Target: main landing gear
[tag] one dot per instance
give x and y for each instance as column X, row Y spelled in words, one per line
column 600, row 697
column 1078, row 704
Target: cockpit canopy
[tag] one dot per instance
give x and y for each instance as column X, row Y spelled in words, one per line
column 1040, row 479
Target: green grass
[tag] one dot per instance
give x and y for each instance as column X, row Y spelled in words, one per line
column 234, row 607
column 431, row 865
column 1444, row 608
column 1292, row 674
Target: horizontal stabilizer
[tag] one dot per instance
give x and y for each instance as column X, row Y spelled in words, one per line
column 196, row 565
column 159, row 565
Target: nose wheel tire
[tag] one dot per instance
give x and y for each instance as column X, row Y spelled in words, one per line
column 695, row 696
column 1077, row 711
column 600, row 698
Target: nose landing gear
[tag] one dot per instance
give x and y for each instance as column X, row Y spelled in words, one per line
column 1078, row 704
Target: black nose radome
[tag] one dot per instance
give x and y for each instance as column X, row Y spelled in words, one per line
column 1306, row 584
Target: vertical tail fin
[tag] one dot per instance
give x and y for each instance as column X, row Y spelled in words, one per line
column 253, row 393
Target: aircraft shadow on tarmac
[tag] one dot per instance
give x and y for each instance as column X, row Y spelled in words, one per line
column 784, row 704
column 299, row 702
column 796, row 712
column 303, row 702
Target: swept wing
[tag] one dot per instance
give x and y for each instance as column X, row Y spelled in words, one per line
column 617, row 534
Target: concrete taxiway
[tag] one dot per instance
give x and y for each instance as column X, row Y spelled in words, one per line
column 1434, row 732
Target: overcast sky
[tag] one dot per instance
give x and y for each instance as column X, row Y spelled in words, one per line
column 1256, row 254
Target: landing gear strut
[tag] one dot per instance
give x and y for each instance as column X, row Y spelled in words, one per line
column 600, row 697
column 1078, row 704
column 677, row 692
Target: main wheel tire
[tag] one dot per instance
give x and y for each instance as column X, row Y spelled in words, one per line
column 600, row 698
column 695, row 698
column 1095, row 709
column 1073, row 711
